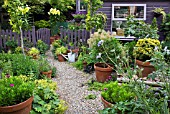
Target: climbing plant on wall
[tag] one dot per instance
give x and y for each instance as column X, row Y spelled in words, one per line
column 91, row 17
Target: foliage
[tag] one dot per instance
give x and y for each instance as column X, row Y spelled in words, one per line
column 140, row 29
column 20, row 64
column 33, row 52
column 166, row 47
column 13, row 90
column 54, row 70
column 166, row 27
column 54, row 14
column 61, row 50
column 92, row 7
column 18, row 50
column 42, row 47
column 113, row 92
column 91, row 96
column 44, row 65
column 160, row 11
column 79, row 15
column 19, row 13
column 97, row 21
column 144, row 49
column 46, row 100
column 76, row 26
column 41, row 24
column 105, row 48
column 130, row 46
column 12, row 44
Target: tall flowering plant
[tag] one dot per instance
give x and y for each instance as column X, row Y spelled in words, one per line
column 14, row 90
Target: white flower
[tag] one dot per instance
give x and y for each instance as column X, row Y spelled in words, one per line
column 156, row 48
column 166, row 47
column 99, row 56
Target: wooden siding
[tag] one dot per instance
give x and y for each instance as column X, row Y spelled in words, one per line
column 107, row 9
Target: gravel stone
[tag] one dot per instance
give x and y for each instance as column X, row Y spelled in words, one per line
column 72, row 88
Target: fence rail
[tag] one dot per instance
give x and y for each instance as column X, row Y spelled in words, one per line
column 31, row 36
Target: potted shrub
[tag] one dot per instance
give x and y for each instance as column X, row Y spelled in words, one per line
column 105, row 50
column 59, row 52
column 34, row 52
column 42, row 47
column 45, row 68
column 144, row 50
column 113, row 92
column 16, row 95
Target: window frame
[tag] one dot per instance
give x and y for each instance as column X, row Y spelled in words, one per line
column 123, row 19
column 79, row 6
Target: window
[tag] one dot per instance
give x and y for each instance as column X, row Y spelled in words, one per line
column 81, row 5
column 121, row 11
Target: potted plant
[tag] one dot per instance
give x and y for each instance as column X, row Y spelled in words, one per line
column 113, row 93
column 105, row 50
column 59, row 52
column 45, row 68
column 158, row 12
column 78, row 16
column 16, row 95
column 144, row 50
column 34, row 52
column 42, row 47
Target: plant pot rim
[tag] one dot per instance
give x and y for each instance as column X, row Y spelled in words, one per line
column 47, row 72
column 147, row 63
column 109, row 68
column 17, row 106
column 110, row 104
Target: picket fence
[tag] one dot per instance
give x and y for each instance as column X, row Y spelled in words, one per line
column 31, row 36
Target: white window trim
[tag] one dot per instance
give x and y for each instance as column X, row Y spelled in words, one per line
column 128, row 5
column 79, row 6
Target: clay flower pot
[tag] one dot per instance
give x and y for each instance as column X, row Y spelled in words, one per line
column 48, row 74
column 60, row 58
column 106, row 103
column 103, row 71
column 21, row 108
column 147, row 67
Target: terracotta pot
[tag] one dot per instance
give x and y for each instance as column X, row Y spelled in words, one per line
column 106, row 103
column 102, row 73
column 60, row 58
column 21, row 108
column 84, row 64
column 147, row 67
column 48, row 74
column 52, row 38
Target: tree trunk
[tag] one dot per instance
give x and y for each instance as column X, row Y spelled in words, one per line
column 22, row 42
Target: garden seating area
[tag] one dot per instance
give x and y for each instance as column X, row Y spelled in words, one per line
column 81, row 68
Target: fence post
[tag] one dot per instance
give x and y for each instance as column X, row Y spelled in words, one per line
column 61, row 32
column 33, row 35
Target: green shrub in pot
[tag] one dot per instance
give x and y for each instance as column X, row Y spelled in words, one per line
column 113, row 92
column 14, row 90
column 61, row 50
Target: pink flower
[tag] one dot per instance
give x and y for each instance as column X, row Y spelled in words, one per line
column 110, row 77
column 105, row 89
column 7, row 75
column 11, row 85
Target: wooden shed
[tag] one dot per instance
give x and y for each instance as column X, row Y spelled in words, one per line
column 117, row 10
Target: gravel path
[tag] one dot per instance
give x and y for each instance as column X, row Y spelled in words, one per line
column 69, row 81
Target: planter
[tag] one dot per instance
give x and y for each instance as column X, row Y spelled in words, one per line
column 102, row 73
column 60, row 58
column 106, row 103
column 21, row 108
column 52, row 38
column 147, row 67
column 48, row 74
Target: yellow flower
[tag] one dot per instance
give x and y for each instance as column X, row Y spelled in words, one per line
column 54, row 11
column 24, row 10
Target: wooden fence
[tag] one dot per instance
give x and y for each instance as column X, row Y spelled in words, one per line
column 31, row 36
column 75, row 36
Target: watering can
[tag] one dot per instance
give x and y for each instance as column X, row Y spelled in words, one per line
column 71, row 57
